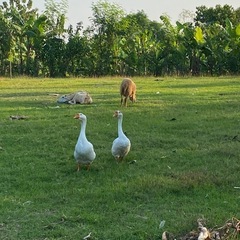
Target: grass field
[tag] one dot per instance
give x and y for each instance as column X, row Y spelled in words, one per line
column 185, row 139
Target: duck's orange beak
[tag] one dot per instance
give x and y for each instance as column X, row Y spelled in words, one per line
column 76, row 116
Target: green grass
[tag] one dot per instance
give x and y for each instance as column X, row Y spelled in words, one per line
column 185, row 139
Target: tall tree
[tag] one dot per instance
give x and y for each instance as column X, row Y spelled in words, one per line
column 6, row 43
column 189, row 43
column 106, row 18
column 18, row 14
column 56, row 14
column 53, row 54
column 135, row 37
column 35, row 33
column 219, row 14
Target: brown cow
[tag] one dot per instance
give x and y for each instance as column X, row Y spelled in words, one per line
column 127, row 89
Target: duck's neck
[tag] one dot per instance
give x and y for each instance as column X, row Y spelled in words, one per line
column 120, row 131
column 83, row 129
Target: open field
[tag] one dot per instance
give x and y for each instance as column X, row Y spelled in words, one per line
column 185, row 139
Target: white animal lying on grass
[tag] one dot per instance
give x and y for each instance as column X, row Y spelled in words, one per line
column 80, row 97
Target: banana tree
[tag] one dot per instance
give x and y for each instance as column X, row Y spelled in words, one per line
column 218, row 49
column 105, row 28
column 18, row 17
column 190, row 42
column 232, row 47
column 5, row 43
column 35, row 32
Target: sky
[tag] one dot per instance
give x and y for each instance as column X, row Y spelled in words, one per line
column 80, row 10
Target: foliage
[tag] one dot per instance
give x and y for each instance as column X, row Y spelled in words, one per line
column 218, row 15
column 55, row 13
column 117, row 43
column 183, row 164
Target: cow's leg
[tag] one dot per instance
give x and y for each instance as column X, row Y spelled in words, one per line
column 121, row 100
column 72, row 101
column 125, row 101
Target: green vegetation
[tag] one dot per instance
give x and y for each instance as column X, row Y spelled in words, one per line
column 206, row 42
column 185, row 140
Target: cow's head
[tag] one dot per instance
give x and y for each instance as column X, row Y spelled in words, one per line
column 66, row 98
column 88, row 99
column 63, row 99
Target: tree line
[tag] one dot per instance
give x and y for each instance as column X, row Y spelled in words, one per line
column 117, row 43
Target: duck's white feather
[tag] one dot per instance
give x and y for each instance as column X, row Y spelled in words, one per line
column 121, row 145
column 84, row 152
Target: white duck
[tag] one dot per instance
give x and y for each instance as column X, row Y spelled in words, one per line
column 121, row 145
column 84, row 151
